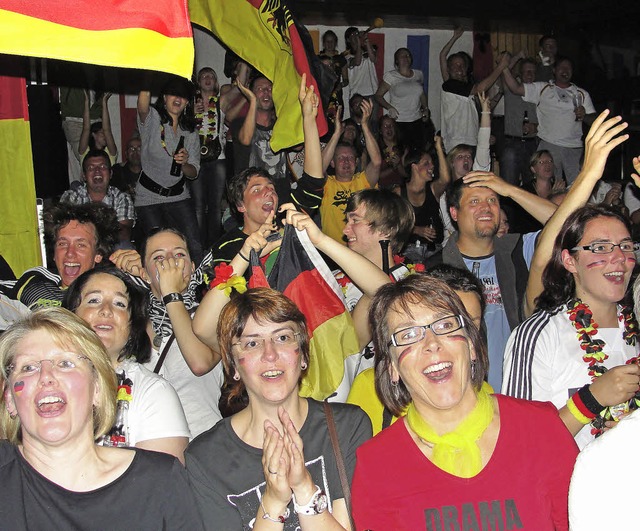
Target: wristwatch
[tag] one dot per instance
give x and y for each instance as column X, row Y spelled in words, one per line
column 172, row 297
column 316, row 505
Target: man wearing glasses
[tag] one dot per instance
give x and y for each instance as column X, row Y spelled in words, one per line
column 96, row 174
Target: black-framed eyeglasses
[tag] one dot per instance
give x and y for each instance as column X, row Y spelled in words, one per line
column 413, row 334
column 607, row 247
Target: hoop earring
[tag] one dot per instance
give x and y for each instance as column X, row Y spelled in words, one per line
column 303, row 366
column 236, row 377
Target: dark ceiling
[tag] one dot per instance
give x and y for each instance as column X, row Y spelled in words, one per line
column 606, row 21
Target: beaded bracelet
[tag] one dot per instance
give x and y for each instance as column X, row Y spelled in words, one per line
column 278, row 519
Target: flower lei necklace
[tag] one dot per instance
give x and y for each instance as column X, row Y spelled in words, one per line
column 581, row 318
column 211, row 112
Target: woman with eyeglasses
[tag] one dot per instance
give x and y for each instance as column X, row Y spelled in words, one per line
column 58, row 397
column 461, row 457
column 579, row 350
column 272, row 464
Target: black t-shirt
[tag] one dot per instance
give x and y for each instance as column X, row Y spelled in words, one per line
column 152, row 494
column 227, row 476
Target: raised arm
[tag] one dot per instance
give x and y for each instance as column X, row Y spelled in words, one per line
column 144, row 103
column 488, row 81
column 539, row 208
column 309, row 102
column 231, row 99
column 601, row 140
column 364, row 273
column 106, row 125
column 482, row 159
column 83, row 144
column 370, row 49
column 205, row 320
column 199, row 357
column 457, row 33
column 330, row 148
column 512, row 83
column 440, row 185
column 372, row 171
column 245, row 135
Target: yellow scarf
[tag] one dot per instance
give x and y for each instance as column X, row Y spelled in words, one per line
column 457, row 452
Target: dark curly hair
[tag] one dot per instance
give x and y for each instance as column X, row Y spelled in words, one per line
column 102, row 217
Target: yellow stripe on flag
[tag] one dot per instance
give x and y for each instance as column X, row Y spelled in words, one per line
column 128, row 48
column 19, row 242
column 326, row 369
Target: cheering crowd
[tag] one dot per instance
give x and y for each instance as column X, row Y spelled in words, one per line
column 481, row 371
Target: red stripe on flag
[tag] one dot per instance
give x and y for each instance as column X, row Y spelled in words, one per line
column 167, row 17
column 13, row 103
column 306, row 290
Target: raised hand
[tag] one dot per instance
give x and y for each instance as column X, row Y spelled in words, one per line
column 308, row 98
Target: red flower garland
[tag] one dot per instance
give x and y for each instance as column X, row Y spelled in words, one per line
column 582, row 319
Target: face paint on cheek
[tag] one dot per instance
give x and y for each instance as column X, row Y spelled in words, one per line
column 18, row 387
column 242, row 360
column 403, row 354
column 597, row 263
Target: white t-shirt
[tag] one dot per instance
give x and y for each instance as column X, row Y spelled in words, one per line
column 199, row 395
column 543, row 361
column 459, row 121
column 556, row 118
column 155, row 411
column 405, row 93
column 363, row 79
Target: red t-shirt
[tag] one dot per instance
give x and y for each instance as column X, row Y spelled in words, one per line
column 524, row 485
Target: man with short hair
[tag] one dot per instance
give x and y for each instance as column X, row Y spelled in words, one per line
column 501, row 264
column 252, row 192
column 81, row 236
column 252, row 136
column 371, row 216
column 561, row 109
column 340, row 187
column 547, row 58
column 96, row 174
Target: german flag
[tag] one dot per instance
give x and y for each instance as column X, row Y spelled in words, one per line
column 301, row 274
column 263, row 33
column 19, row 243
column 145, row 34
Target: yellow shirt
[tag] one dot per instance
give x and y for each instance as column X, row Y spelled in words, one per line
column 334, row 202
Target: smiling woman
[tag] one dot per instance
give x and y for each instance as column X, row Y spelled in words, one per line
column 59, row 394
column 115, row 309
column 289, row 471
column 586, row 279
column 458, row 445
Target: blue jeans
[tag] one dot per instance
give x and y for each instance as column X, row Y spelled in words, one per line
column 514, row 163
column 179, row 215
column 207, row 192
